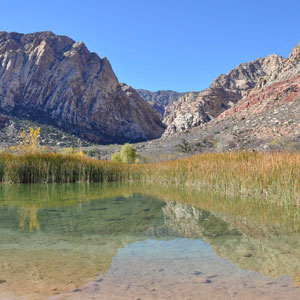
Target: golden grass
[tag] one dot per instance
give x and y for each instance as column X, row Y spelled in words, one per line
column 58, row 168
column 272, row 176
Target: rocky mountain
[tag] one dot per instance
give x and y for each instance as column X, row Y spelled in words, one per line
column 54, row 80
column 265, row 118
column 193, row 109
column 269, row 113
column 160, row 99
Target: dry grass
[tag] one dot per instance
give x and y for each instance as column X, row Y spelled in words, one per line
column 275, row 176
column 272, row 176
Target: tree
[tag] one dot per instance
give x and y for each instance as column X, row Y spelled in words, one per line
column 28, row 143
column 116, row 157
column 128, row 155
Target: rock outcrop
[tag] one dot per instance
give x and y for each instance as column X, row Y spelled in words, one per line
column 192, row 110
column 160, row 100
column 55, row 80
column 265, row 118
column 272, row 106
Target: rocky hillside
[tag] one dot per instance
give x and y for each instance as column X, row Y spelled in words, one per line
column 160, row 99
column 269, row 113
column 54, row 80
column 193, row 109
column 266, row 117
column 10, row 128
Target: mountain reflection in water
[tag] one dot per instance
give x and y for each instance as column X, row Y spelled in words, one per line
column 56, row 237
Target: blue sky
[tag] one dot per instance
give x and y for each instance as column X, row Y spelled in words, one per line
column 180, row 45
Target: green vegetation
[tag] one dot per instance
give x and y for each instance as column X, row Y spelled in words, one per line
column 284, row 144
column 184, row 146
column 127, row 155
column 53, row 167
column 271, row 176
column 274, row 177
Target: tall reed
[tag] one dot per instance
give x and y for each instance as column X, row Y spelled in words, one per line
column 275, row 176
column 50, row 168
column 272, row 176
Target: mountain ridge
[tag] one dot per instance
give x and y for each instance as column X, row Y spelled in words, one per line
column 55, row 78
column 226, row 90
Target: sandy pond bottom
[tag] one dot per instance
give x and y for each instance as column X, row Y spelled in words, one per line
column 67, row 242
column 180, row 269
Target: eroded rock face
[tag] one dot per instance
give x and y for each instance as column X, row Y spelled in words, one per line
column 279, row 92
column 56, row 80
column 266, row 118
column 192, row 110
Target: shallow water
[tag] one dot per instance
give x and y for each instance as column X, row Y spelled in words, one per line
column 112, row 241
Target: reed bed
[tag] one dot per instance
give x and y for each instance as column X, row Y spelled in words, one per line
column 272, row 176
column 58, row 168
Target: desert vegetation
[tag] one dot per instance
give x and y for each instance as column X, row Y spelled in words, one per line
column 274, row 177
column 271, row 176
column 127, row 155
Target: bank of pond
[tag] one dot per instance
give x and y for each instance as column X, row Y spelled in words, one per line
column 274, row 177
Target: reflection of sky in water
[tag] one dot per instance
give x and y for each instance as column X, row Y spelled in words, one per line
column 56, row 237
column 180, row 269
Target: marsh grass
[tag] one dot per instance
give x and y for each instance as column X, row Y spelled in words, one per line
column 58, row 168
column 271, row 176
column 274, row 177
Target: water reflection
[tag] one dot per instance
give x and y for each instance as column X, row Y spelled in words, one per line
column 55, row 237
column 271, row 254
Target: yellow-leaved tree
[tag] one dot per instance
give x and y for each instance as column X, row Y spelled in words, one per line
column 29, row 143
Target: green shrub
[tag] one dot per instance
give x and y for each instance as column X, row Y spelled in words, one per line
column 184, row 146
column 116, row 157
column 127, row 155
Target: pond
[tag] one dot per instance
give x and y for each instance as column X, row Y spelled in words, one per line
column 134, row 241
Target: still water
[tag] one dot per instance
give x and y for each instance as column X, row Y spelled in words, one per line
column 112, row 241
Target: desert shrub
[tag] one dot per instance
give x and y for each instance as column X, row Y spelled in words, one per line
column 94, row 152
column 184, row 146
column 284, row 144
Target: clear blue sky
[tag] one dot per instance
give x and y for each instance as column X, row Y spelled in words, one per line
column 168, row 44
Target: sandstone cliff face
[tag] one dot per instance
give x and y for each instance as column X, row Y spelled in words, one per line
column 56, row 80
column 272, row 91
column 192, row 110
column 160, row 100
